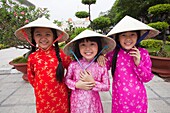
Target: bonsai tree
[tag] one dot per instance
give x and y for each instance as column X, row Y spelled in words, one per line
column 161, row 26
column 84, row 14
column 102, row 23
column 160, row 20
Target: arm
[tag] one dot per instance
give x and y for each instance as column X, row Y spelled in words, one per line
column 66, row 60
column 143, row 70
column 69, row 77
column 101, row 60
column 106, row 60
column 30, row 72
column 104, row 84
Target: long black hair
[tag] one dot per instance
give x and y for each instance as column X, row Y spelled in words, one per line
column 117, row 49
column 60, row 69
column 92, row 39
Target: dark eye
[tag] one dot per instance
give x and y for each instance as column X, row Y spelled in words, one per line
column 123, row 35
column 82, row 44
column 37, row 34
column 92, row 44
column 48, row 34
column 133, row 34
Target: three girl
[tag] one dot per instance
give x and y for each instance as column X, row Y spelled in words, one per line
column 85, row 77
column 46, row 65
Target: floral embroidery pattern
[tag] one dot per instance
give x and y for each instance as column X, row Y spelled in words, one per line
column 51, row 96
column 128, row 91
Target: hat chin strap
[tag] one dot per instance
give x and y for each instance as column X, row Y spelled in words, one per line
column 84, row 68
column 142, row 37
column 26, row 37
column 57, row 39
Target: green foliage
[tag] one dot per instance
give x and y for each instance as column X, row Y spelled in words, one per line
column 159, row 8
column 13, row 16
column 20, row 59
column 134, row 8
column 77, row 31
column 82, row 14
column 159, row 25
column 168, row 38
column 2, row 46
column 88, row 2
column 62, row 44
column 101, row 23
column 151, row 43
column 154, row 46
column 160, row 12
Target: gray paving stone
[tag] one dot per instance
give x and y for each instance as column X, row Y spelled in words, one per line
column 158, row 106
column 105, row 96
column 17, row 96
column 107, row 106
column 161, row 88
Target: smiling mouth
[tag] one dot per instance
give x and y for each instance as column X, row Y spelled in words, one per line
column 128, row 43
column 88, row 53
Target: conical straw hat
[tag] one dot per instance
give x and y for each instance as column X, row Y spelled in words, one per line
column 106, row 41
column 130, row 24
column 41, row 22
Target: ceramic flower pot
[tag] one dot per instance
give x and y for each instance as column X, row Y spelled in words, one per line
column 22, row 67
column 161, row 66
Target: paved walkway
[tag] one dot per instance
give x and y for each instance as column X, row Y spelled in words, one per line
column 16, row 95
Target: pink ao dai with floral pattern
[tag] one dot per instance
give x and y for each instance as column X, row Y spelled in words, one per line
column 87, row 101
column 128, row 90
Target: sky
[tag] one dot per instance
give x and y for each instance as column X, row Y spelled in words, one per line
column 62, row 10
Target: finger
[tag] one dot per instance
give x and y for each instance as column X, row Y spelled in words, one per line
column 88, row 72
column 90, row 85
column 85, row 72
column 82, row 72
column 81, row 76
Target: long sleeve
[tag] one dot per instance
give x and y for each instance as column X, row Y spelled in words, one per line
column 109, row 57
column 30, row 72
column 65, row 59
column 104, row 84
column 70, row 82
column 143, row 70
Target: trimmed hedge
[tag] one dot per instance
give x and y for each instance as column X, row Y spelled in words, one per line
column 152, row 43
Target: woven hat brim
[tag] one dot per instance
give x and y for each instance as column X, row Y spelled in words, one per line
column 39, row 23
column 106, row 41
column 130, row 24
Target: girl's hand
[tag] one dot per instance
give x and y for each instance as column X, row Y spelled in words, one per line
column 86, row 76
column 84, row 85
column 135, row 53
column 101, row 60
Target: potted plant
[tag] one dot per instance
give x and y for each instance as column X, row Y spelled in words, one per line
column 20, row 64
column 13, row 16
column 161, row 58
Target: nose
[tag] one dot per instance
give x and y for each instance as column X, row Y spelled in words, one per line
column 128, row 37
column 43, row 37
column 87, row 48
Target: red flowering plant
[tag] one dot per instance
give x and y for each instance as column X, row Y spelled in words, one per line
column 13, row 16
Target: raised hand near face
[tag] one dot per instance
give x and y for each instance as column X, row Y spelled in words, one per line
column 135, row 53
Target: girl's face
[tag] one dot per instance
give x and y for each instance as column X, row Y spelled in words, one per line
column 128, row 40
column 88, row 49
column 43, row 37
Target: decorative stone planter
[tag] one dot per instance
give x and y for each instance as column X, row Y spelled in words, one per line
column 22, row 67
column 161, row 66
